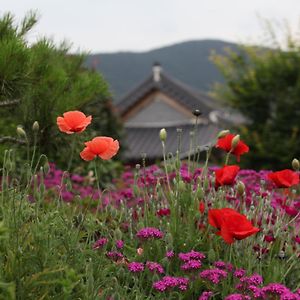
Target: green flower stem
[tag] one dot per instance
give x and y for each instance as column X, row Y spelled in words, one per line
column 73, row 145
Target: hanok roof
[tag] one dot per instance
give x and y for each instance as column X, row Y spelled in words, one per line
column 185, row 95
column 146, row 140
column 144, row 137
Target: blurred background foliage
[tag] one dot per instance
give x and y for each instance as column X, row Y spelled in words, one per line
column 264, row 84
column 39, row 82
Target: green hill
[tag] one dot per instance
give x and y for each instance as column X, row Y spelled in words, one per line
column 187, row 61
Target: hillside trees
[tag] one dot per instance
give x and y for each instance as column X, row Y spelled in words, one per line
column 264, row 84
column 40, row 81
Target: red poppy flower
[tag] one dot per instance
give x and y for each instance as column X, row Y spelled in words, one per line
column 285, row 178
column 225, row 143
column 231, row 224
column 201, row 207
column 73, row 121
column 163, row 212
column 226, row 175
column 102, row 146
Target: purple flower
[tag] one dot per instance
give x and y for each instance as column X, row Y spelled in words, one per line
column 154, row 267
column 114, row 255
column 119, row 244
column 205, row 295
column 289, row 296
column 191, row 255
column 170, row 254
column 100, row 243
column 275, row 289
column 239, row 273
column 169, row 282
column 191, row 265
column 254, row 279
column 223, row 265
column 136, row 267
column 149, row 232
column 213, row 275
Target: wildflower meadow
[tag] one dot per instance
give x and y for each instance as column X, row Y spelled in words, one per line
column 181, row 229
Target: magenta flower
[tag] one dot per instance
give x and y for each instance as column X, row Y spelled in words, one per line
column 100, row 243
column 119, row 244
column 136, row 267
column 170, row 254
column 239, row 273
column 149, row 233
column 154, row 267
column 191, row 255
column 213, row 275
column 191, row 265
column 169, row 282
column 205, row 295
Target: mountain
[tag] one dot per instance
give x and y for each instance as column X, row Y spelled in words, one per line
column 188, row 61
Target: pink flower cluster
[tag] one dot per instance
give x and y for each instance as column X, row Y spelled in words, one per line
column 149, row 233
column 100, row 243
column 169, row 282
column 213, row 275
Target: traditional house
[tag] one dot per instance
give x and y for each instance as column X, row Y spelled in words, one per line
column 161, row 101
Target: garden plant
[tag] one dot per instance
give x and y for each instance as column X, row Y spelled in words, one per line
column 177, row 230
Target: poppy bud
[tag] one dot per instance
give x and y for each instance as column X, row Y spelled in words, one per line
column 240, row 187
column 21, row 132
column 46, row 167
column 235, row 141
column 211, row 255
column 222, row 133
column 295, row 164
column 197, row 113
column 137, row 166
column 35, row 126
column 181, row 186
column 42, row 188
column 163, row 134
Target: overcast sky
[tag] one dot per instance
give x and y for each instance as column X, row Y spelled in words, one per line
column 137, row 25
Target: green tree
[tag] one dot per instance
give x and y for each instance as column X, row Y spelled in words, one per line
column 264, row 84
column 40, row 82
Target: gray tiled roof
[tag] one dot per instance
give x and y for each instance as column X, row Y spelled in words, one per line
column 146, row 140
column 185, row 95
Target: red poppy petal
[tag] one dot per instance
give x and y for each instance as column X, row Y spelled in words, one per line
column 215, row 218
column 227, row 235
column 111, row 151
column 63, row 126
column 98, row 145
column 225, row 142
column 82, row 126
column 73, row 118
column 87, row 155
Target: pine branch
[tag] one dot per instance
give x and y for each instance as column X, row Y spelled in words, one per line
column 10, row 139
column 9, row 102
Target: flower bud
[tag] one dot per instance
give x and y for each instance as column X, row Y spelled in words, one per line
column 139, row 251
column 240, row 187
column 197, row 113
column 235, row 141
column 222, row 133
column 295, row 164
column 163, row 134
column 21, row 132
column 181, row 186
column 35, row 126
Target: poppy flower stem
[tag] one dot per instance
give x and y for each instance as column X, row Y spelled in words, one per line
column 227, row 158
column 72, row 152
column 97, row 180
column 165, row 165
